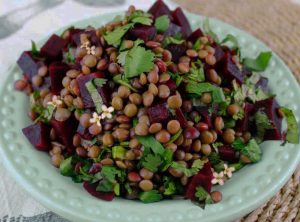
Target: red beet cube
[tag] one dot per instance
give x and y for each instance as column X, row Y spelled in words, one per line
column 65, row 131
column 195, row 35
column 262, row 84
column 104, row 91
column 203, row 178
column 57, row 72
column 177, row 51
column 28, row 64
column 242, row 125
column 158, row 113
column 159, row 8
column 53, row 48
column 230, row 69
column 143, row 32
column 227, row 153
column 38, row 135
column 270, row 108
column 181, row 20
column 91, row 188
column 181, row 118
column 219, row 53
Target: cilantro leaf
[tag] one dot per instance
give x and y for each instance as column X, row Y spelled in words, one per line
column 125, row 82
column 137, row 61
column 172, row 40
column 34, row 51
column 118, row 152
column 66, row 168
column 214, row 158
column 167, row 160
column 217, row 92
column 196, row 74
column 251, row 150
column 292, row 135
column 260, row 63
column 169, row 186
column 152, row 162
column 150, row 196
column 239, row 115
column 45, row 114
column 99, row 82
column 162, row 23
column 110, row 173
column 203, row 196
column 262, row 123
column 114, row 37
column 231, row 39
column 96, row 97
column 140, row 17
column 152, row 143
column 69, row 56
column 197, row 165
column 207, row 30
column 105, row 186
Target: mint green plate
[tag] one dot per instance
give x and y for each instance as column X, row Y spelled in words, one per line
column 247, row 190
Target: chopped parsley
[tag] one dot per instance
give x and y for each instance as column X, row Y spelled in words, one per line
column 114, row 37
column 152, row 143
column 197, row 165
column 150, row 196
column 162, row 23
column 152, row 162
column 203, row 196
column 251, row 149
column 140, row 17
column 217, row 92
column 260, row 63
column 292, row 135
column 262, row 124
column 66, row 167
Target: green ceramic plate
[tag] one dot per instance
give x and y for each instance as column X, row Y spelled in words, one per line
column 248, row 189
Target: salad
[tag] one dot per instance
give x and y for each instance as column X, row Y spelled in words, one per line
column 145, row 108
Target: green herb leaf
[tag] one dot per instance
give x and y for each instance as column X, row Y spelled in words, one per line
column 167, row 160
column 175, row 136
column 66, row 167
column 110, row 173
column 262, row 123
column 152, row 143
column 114, row 37
column 172, row 40
column 197, row 45
column 34, row 51
column 137, row 61
column 162, row 23
column 237, row 166
column 231, row 39
column 251, row 150
column 197, row 165
column 201, row 193
column 208, row 31
column 97, row 99
column 140, row 17
column 69, row 56
column 86, row 143
column 125, row 82
column 229, row 123
column 150, row 196
column 117, row 189
column 118, row 152
column 292, row 135
column 45, row 114
column 199, row 88
column 99, row 82
column 152, row 162
column 214, row 158
column 196, row 74
column 169, row 186
column 105, row 186
column 260, row 63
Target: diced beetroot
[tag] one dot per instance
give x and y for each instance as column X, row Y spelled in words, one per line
column 38, row 135
column 181, row 20
column 181, row 118
column 28, row 64
column 219, row 53
column 195, row 35
column 57, row 72
column 65, row 131
column 230, row 69
column 172, row 30
column 104, row 91
column 203, row 178
column 52, row 49
column 143, row 32
column 270, row 107
column 177, row 51
column 171, row 84
column 191, row 133
column 206, row 118
column 71, row 31
column 158, row 113
column 160, row 8
column 242, row 125
column 227, row 153
column 84, row 132
column 91, row 188
column 263, row 84
column 95, row 168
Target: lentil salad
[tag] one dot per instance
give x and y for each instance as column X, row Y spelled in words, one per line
column 136, row 110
